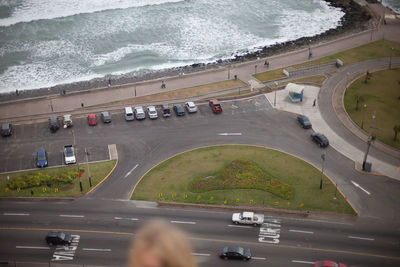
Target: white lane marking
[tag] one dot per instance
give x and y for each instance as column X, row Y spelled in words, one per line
column 129, row 173
column 183, row 222
column 200, row 254
column 258, row 258
column 32, row 247
column 226, row 134
column 72, row 216
column 306, row 262
column 362, row 238
column 131, row 219
column 15, row 214
column 234, row 106
column 357, row 185
column 240, row 226
column 97, row 249
column 304, row 232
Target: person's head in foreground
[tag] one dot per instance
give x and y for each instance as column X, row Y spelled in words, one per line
column 159, row 244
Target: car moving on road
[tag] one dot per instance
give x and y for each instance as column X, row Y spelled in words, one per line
column 69, row 154
column 58, row 238
column 248, row 217
column 304, row 121
column 179, row 110
column 234, row 252
column 41, row 158
column 92, row 119
column 152, row 112
column 320, row 139
column 329, row 264
column 191, row 107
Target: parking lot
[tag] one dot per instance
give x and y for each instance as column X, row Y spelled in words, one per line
column 18, row 152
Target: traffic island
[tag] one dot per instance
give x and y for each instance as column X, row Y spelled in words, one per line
column 241, row 176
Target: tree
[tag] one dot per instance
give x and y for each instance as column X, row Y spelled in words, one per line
column 396, row 129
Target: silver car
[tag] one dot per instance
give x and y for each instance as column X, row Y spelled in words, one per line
column 139, row 113
column 151, row 110
column 191, row 107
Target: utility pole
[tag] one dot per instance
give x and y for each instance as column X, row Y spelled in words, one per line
column 87, row 164
column 77, row 162
column 322, row 171
column 370, row 139
column 362, row 121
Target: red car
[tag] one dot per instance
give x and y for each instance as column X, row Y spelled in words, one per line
column 329, row 264
column 215, row 106
column 92, row 119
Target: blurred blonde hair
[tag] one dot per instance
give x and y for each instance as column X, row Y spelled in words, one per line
column 159, row 244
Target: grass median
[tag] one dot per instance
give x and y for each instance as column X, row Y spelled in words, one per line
column 55, row 187
column 381, row 94
column 270, row 178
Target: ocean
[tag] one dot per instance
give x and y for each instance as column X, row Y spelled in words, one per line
column 49, row 42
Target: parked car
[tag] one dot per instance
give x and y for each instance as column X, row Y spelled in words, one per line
column 41, row 158
column 67, row 118
column 92, row 119
column 215, row 106
column 320, row 139
column 6, row 129
column 235, row 252
column 105, row 116
column 129, row 114
column 304, row 121
column 329, row 264
column 179, row 110
column 69, row 154
column 139, row 113
column 191, row 107
column 166, row 111
column 54, row 124
column 151, row 110
column 58, row 238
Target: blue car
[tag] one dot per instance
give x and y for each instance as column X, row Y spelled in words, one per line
column 41, row 158
column 179, row 110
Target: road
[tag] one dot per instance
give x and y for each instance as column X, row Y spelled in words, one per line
column 106, row 228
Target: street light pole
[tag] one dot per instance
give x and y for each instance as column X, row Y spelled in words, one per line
column 255, row 69
column 322, row 171
column 370, row 139
column 390, row 59
column 87, row 164
column 362, row 121
column 77, row 162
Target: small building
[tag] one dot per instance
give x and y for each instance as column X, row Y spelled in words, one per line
column 295, row 92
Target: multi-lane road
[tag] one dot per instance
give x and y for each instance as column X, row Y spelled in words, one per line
column 106, row 220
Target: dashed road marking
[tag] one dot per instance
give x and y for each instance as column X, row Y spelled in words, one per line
column 306, row 262
column 361, row 238
column 183, row 222
column 28, row 247
column 16, row 214
column 131, row 219
column 226, row 134
column 201, row 254
column 258, row 258
column 357, row 185
column 303, row 232
column 72, row 216
column 97, row 249
column 240, row 226
column 129, row 173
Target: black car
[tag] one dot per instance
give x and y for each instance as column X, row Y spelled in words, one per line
column 58, row 238
column 41, row 158
column 54, row 124
column 179, row 110
column 304, row 121
column 6, row 129
column 105, row 117
column 320, row 139
column 234, row 252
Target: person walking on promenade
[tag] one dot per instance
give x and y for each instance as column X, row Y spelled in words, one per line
column 163, row 84
column 314, row 102
column 109, row 82
column 266, row 64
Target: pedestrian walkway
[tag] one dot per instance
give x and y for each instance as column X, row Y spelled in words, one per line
column 320, row 125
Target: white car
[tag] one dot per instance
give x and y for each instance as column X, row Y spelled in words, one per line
column 151, row 110
column 139, row 113
column 191, row 107
column 69, row 154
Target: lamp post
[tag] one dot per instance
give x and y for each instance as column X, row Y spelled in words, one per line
column 370, row 139
column 255, row 69
column 77, row 162
column 362, row 121
column 322, row 171
column 390, row 59
column 87, row 164
column 276, row 85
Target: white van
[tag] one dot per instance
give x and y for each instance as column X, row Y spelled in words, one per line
column 139, row 112
column 129, row 114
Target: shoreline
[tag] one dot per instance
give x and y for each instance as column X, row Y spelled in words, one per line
column 355, row 19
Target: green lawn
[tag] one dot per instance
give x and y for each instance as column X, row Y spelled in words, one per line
column 173, row 179
column 381, row 95
column 98, row 171
column 378, row 49
column 317, row 79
